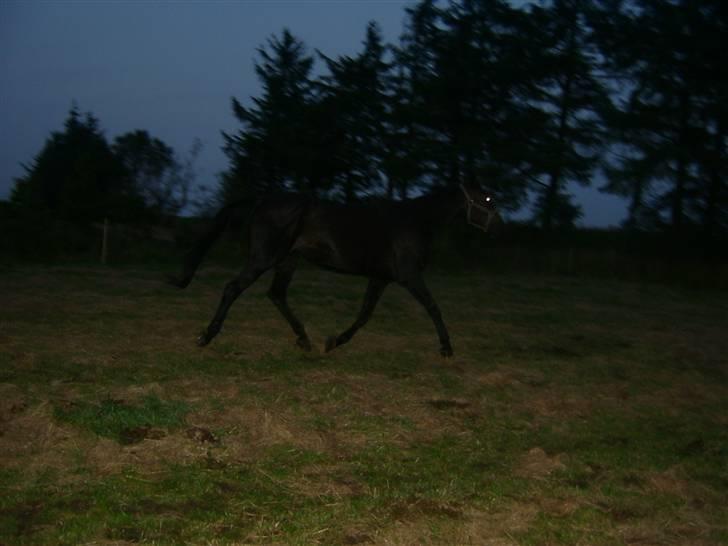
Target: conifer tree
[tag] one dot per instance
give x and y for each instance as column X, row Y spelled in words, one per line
column 271, row 150
column 671, row 121
column 575, row 100
column 356, row 92
column 76, row 177
column 465, row 78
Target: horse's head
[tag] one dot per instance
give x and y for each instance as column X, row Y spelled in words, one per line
column 480, row 207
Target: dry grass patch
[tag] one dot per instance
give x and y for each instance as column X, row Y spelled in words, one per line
column 444, row 525
column 536, row 464
column 33, row 441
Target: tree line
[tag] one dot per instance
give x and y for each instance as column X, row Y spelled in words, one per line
column 79, row 177
column 526, row 100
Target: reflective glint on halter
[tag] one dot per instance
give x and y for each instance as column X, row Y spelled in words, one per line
column 480, row 215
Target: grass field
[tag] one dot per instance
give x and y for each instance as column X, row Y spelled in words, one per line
column 574, row 412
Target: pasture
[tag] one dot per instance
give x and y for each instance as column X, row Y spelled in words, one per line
column 574, row 411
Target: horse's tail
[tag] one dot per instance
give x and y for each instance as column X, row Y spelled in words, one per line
column 194, row 256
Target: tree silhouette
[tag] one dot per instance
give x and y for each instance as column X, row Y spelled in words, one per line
column 77, row 177
column 162, row 181
column 356, row 93
column 463, row 80
column 410, row 148
column 672, row 120
column 572, row 138
column 271, row 150
column 525, row 100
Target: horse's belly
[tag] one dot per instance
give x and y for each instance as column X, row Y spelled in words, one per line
column 320, row 252
column 328, row 256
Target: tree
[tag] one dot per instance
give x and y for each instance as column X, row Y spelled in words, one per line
column 672, row 119
column 576, row 101
column 162, row 181
column 356, row 91
column 408, row 160
column 463, row 84
column 272, row 149
column 76, row 176
column 710, row 205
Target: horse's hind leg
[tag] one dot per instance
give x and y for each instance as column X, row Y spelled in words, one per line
column 373, row 293
column 278, row 294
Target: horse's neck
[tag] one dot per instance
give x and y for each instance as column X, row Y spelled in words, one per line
column 440, row 207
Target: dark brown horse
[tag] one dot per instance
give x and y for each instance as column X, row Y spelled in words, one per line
column 387, row 242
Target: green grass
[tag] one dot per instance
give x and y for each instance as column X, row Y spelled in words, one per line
column 574, row 412
column 116, row 418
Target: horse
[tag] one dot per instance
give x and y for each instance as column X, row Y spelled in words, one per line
column 387, row 241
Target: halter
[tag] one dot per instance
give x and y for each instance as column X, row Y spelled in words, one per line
column 471, row 203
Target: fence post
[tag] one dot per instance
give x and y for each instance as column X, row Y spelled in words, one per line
column 105, row 242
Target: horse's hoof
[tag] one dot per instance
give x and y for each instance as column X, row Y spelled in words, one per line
column 304, row 344
column 446, row 352
column 330, row 343
column 202, row 340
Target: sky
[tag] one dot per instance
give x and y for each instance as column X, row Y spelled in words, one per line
column 170, row 68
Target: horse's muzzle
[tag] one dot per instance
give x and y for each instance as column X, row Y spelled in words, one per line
column 484, row 218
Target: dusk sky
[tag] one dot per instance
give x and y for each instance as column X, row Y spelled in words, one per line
column 170, row 68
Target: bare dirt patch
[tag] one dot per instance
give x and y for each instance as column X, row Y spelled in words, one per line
column 448, row 403
column 31, row 440
column 670, row 481
column 107, row 456
column 551, row 404
column 248, row 429
column 12, row 402
column 466, row 527
column 327, row 480
column 497, row 378
column 201, row 435
column 558, row 507
column 656, row 533
column 687, row 393
column 536, row 464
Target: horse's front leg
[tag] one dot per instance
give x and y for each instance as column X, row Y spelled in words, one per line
column 417, row 287
column 266, row 251
column 232, row 290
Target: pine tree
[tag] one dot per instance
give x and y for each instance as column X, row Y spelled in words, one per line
column 76, row 176
column 464, row 77
column 576, row 101
column 410, row 143
column 271, row 150
column 672, row 119
column 356, row 91
column 710, row 76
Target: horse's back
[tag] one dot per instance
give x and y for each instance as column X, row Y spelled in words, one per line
column 280, row 211
column 361, row 239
